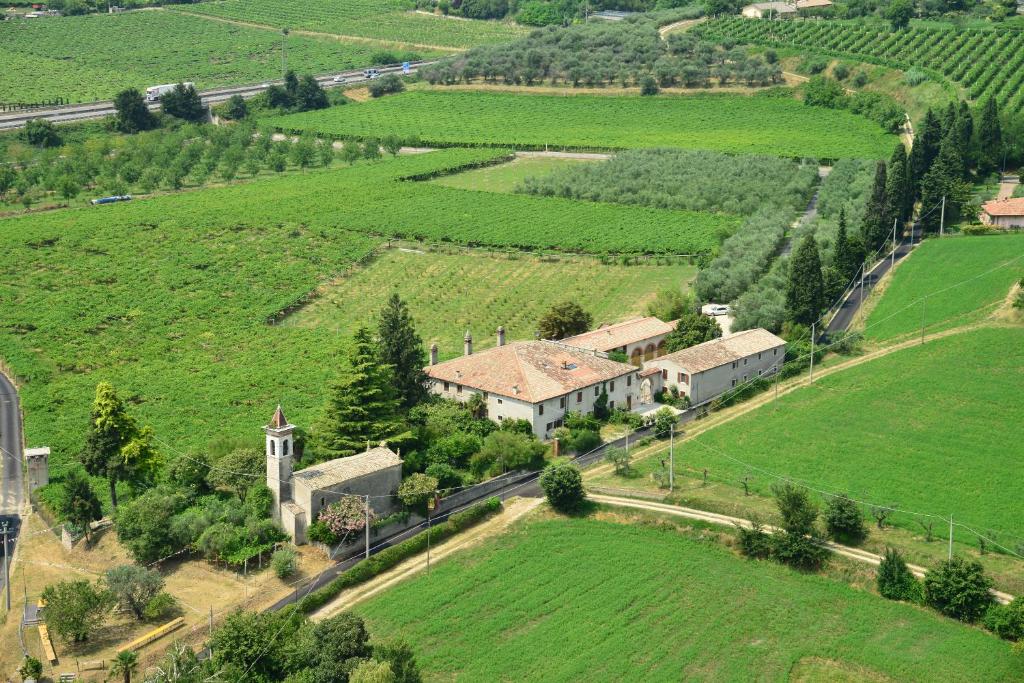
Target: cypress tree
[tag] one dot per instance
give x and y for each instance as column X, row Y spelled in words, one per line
column 362, row 405
column 990, row 139
column 949, row 118
column 844, row 257
column 944, row 179
column 877, row 222
column 896, row 185
column 402, row 349
column 965, row 133
column 925, row 149
column 805, row 293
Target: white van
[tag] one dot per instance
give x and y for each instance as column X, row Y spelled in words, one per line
column 157, row 91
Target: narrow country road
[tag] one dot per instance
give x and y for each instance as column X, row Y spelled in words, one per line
column 10, row 465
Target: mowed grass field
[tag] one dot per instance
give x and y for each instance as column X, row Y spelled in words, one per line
column 932, row 429
column 506, row 177
column 951, row 282
column 586, row 600
column 95, row 56
column 727, row 123
column 391, row 20
column 451, row 293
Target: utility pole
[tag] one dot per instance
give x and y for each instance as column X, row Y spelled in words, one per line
column 923, row 299
column 812, row 361
column 951, row 537
column 211, row 621
column 430, row 506
column 863, row 268
column 942, row 217
column 284, row 52
column 892, row 263
column 7, row 570
column 671, row 456
column 776, row 402
column 367, row 521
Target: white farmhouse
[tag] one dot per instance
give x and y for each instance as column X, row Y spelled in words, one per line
column 300, row 496
column 539, row 381
column 708, row 370
column 641, row 339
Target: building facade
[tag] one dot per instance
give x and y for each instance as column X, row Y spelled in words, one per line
column 706, row 371
column 640, row 339
column 1004, row 213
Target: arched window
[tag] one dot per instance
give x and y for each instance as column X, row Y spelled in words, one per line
column 284, row 447
column 636, row 357
column 660, row 350
column 272, row 447
column 649, row 352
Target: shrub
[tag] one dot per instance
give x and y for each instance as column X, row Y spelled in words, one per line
column 584, row 441
column 619, row 458
column 754, row 542
column 415, row 491
column 664, row 420
column 914, row 76
column 841, row 72
column 31, row 668
column 563, row 485
column 860, row 79
column 386, row 85
column 895, row 581
column 1006, row 621
column 844, row 521
column 795, row 506
column 648, row 86
column 283, row 562
column 159, row 606
column 958, row 588
column 798, row 551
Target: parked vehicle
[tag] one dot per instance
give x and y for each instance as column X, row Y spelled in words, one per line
column 112, row 199
column 340, row 78
column 370, row 74
column 718, row 309
column 157, row 91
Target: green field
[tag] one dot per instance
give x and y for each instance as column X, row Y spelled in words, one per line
column 933, row 429
column 951, row 282
column 506, row 177
column 586, row 600
column 95, row 56
column 728, row 123
column 450, row 293
column 391, row 20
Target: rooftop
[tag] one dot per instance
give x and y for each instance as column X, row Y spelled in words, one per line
column 1004, row 207
column 611, row 337
column 326, row 474
column 809, row 4
column 531, row 371
column 718, row 352
column 774, row 6
column 278, row 420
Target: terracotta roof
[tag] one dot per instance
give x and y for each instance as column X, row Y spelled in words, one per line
column 774, row 6
column 611, row 337
column 278, row 420
column 326, row 474
column 1004, row 207
column 531, row 371
column 647, row 372
column 809, row 4
column 718, row 352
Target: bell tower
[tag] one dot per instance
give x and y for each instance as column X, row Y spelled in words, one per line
column 279, row 459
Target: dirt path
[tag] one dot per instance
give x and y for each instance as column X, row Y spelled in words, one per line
column 515, row 509
column 683, row 25
column 724, row 520
column 1007, row 187
column 563, row 155
column 318, row 34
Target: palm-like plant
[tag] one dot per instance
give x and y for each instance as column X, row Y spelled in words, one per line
column 125, row 664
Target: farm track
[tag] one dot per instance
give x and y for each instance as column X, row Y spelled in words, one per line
column 855, row 554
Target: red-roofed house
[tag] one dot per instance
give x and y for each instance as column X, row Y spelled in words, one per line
column 640, row 338
column 1003, row 213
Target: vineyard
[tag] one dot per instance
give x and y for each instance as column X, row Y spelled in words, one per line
column 95, row 56
column 390, row 20
column 581, row 599
column 728, row 123
column 449, row 293
column 986, row 63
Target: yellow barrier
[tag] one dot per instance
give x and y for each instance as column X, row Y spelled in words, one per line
column 155, row 634
column 44, row 635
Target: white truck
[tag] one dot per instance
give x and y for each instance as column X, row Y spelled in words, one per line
column 157, row 91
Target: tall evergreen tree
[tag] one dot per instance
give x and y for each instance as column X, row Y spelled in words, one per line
column 944, row 179
column 805, row 293
column 949, row 118
column 845, row 257
column 402, row 349
column 965, row 133
column 876, row 223
column 925, row 149
column 990, row 138
column 362, row 405
column 896, row 185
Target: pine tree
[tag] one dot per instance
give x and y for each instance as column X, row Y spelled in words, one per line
column 846, row 258
column 925, row 149
column 805, row 293
column 896, row 185
column 944, row 179
column 949, row 119
column 877, row 222
column 990, row 139
column 362, row 405
column 402, row 349
column 965, row 134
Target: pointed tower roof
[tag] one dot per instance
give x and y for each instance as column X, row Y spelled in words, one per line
column 278, row 421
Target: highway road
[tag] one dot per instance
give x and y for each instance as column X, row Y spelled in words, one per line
column 95, row 110
column 11, row 485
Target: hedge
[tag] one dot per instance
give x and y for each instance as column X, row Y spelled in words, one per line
column 389, row 557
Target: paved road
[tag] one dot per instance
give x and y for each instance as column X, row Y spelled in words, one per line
column 10, row 465
column 851, row 304
column 95, row 110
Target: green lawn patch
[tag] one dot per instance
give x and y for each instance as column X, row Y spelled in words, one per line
column 585, row 600
column 507, row 177
column 951, row 282
column 728, row 123
column 449, row 293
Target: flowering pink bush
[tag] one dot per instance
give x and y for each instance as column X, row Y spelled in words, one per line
column 347, row 516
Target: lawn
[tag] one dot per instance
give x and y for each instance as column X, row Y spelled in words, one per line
column 587, row 600
column 454, row 292
column 507, row 177
column 932, row 429
column 951, row 281
column 727, row 123
column 390, row 20
column 95, row 56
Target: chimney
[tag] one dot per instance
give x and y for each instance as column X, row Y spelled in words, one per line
column 433, row 354
column 501, row 335
column 468, row 343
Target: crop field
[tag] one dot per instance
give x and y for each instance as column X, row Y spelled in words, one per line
column 94, row 56
column 169, row 297
column 986, row 63
column 948, row 283
column 391, row 20
column 929, row 429
column 728, row 123
column 588, row 600
column 507, row 177
column 451, row 293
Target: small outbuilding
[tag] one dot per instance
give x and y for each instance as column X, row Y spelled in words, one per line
column 1003, row 213
column 769, row 10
